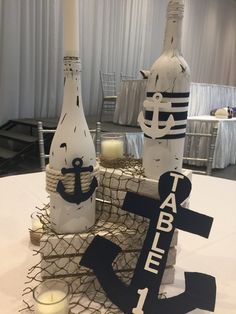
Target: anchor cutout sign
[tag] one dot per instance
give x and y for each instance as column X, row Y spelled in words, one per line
column 78, row 196
column 166, row 214
column 154, row 131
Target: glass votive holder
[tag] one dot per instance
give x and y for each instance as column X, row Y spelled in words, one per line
column 36, row 224
column 52, row 297
column 112, row 146
column 36, row 230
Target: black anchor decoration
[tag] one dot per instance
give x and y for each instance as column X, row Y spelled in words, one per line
column 141, row 296
column 79, row 196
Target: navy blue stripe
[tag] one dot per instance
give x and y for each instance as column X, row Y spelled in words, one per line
column 177, row 105
column 169, row 95
column 169, row 137
column 163, row 116
column 176, row 127
column 179, row 127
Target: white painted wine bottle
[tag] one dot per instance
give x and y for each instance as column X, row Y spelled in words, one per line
column 165, row 109
column 72, row 153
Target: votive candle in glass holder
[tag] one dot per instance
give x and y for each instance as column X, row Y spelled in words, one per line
column 112, row 146
column 36, row 224
column 52, row 297
column 36, row 230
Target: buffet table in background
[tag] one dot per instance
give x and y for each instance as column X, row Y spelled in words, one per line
column 215, row 256
column 203, row 99
column 206, row 97
column 225, row 150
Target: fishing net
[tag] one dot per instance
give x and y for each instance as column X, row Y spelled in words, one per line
column 59, row 255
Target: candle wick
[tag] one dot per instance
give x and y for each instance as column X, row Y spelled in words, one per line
column 52, row 297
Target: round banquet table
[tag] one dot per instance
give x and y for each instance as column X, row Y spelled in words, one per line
column 215, row 256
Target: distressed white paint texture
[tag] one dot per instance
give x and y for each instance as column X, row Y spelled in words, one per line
column 72, row 138
column 170, row 73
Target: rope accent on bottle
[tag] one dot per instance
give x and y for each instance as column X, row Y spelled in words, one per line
column 54, row 176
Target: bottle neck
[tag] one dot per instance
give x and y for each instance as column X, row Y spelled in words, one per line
column 173, row 32
column 72, row 102
column 72, row 66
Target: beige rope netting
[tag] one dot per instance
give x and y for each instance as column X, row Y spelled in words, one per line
column 59, row 254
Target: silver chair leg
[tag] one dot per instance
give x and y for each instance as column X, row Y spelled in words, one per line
column 41, row 146
column 101, row 111
column 98, row 139
column 211, row 150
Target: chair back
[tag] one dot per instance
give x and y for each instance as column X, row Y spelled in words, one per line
column 108, row 82
column 42, row 137
column 126, row 77
column 95, row 133
column 194, row 143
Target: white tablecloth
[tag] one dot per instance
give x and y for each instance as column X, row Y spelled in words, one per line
column 134, row 144
column 215, row 256
column 225, row 150
column 129, row 101
column 19, row 196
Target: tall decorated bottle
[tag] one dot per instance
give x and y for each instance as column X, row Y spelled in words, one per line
column 166, row 105
column 71, row 179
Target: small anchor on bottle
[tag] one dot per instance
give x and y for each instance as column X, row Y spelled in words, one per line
column 154, row 131
column 78, row 196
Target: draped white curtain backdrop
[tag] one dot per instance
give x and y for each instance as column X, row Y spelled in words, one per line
column 31, row 58
column 115, row 35
column 118, row 36
column 209, row 40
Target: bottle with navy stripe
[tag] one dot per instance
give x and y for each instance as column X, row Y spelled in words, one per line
column 169, row 76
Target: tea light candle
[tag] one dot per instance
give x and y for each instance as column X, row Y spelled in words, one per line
column 112, row 149
column 52, row 302
column 51, row 297
column 36, row 223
